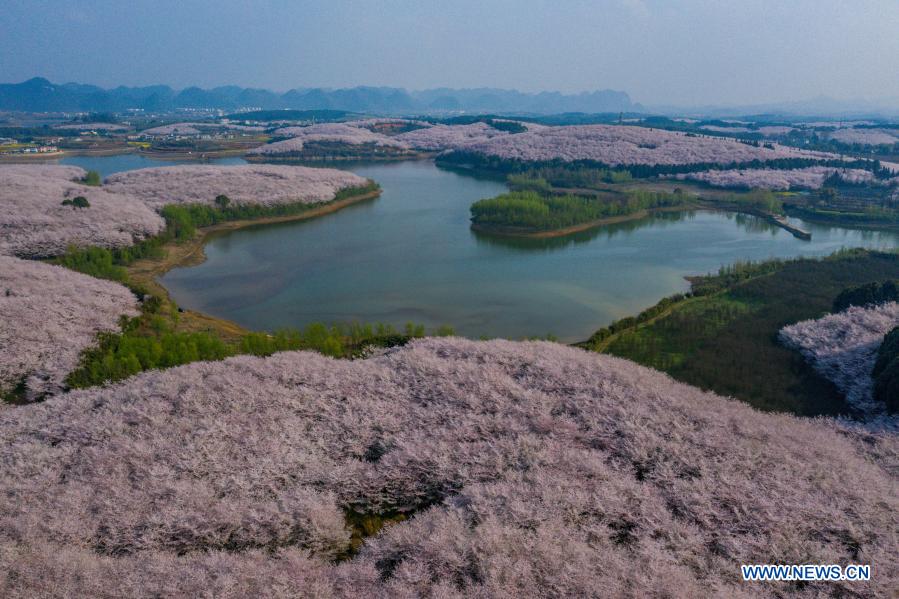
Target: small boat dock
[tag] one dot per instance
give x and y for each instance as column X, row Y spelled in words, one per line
column 783, row 223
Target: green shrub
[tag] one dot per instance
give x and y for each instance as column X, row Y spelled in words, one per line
column 584, row 177
column 146, row 342
column 77, row 202
column 758, row 199
column 182, row 221
column 338, row 341
column 94, row 261
column 868, row 294
column 528, row 183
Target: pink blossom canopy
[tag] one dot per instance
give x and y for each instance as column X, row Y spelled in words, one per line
column 618, row 145
column 264, row 185
column 48, row 316
column 35, row 224
column 528, row 468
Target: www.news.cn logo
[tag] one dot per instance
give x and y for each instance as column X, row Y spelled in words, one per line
column 806, row 572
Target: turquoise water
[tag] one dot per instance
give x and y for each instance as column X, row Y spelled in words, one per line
column 410, row 256
column 107, row 165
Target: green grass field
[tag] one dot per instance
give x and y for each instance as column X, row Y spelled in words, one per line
column 727, row 342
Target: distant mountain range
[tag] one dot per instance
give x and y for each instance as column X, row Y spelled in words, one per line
column 40, row 95
column 820, row 106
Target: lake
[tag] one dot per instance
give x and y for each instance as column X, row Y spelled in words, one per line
column 107, row 165
column 410, row 256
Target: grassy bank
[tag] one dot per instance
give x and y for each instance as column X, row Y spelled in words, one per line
column 869, row 219
column 723, row 336
column 164, row 335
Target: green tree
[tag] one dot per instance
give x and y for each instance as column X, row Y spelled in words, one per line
column 222, row 201
column 78, row 202
column 828, row 195
column 91, row 178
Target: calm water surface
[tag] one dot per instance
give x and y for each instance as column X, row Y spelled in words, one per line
column 107, row 165
column 410, row 256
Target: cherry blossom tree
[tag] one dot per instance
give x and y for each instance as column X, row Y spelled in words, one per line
column 521, row 467
column 449, row 137
column 812, row 177
column 865, row 137
column 342, row 133
column 35, row 224
column 843, row 348
column 427, row 136
column 264, row 185
column 618, row 145
column 49, row 315
column 198, row 128
column 173, row 129
column 92, row 126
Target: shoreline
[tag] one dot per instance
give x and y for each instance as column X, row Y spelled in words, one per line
column 25, row 158
column 523, row 233
column 866, row 225
column 147, row 271
column 612, row 220
column 192, row 155
column 275, row 159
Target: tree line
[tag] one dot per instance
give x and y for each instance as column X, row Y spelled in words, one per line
column 478, row 161
column 536, row 211
column 544, row 178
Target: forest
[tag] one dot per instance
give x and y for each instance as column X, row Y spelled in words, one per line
column 232, row 476
column 510, row 165
column 530, row 211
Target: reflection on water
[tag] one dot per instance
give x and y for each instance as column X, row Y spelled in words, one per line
column 659, row 220
column 752, row 224
column 410, row 255
column 608, row 232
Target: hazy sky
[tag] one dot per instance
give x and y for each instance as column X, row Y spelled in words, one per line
column 685, row 52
